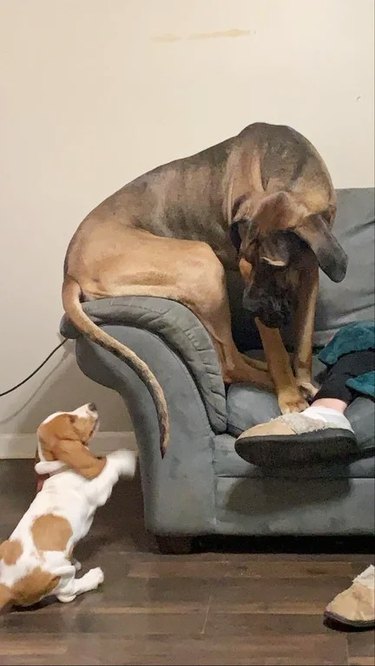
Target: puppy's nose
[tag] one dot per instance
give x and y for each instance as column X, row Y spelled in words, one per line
column 92, row 407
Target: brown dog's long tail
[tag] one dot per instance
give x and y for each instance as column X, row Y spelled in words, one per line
column 71, row 293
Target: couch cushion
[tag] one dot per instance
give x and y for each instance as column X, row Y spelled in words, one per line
column 228, row 464
column 352, row 299
column 295, row 507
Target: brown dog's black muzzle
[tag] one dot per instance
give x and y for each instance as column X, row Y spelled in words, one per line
column 269, row 296
column 273, row 311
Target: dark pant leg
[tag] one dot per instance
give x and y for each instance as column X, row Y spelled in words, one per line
column 348, row 366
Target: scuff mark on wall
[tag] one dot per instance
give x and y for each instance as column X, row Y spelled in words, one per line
column 235, row 32
column 220, row 34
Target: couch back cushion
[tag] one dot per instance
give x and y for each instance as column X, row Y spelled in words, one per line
column 353, row 298
column 338, row 304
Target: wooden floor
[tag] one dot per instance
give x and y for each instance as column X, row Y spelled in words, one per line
column 223, row 605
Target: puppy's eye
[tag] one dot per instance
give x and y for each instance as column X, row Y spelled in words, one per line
column 72, row 418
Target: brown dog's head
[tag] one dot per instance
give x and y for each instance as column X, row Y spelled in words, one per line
column 275, row 239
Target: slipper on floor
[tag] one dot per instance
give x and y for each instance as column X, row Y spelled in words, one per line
column 295, row 439
column 344, row 622
column 355, row 606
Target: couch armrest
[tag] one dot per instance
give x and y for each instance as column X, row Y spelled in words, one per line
column 178, row 490
column 180, row 329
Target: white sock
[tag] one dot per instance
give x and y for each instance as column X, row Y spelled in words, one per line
column 367, row 577
column 328, row 415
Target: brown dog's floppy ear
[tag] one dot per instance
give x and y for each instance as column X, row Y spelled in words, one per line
column 331, row 257
column 234, row 236
column 239, row 220
column 77, row 456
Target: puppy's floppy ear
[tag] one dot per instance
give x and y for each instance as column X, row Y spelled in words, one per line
column 77, row 456
column 331, row 257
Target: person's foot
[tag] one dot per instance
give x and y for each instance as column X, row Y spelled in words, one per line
column 355, row 607
column 317, row 434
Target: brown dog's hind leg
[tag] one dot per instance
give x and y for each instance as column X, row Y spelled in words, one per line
column 140, row 263
column 255, row 363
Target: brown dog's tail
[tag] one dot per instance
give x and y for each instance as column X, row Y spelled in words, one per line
column 71, row 293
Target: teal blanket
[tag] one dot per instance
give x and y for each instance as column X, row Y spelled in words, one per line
column 358, row 336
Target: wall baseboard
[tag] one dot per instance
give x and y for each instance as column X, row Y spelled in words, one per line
column 24, row 445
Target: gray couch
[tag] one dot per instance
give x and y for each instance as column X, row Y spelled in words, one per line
column 202, row 486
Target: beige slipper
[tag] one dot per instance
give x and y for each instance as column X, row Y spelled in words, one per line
column 295, row 439
column 355, row 607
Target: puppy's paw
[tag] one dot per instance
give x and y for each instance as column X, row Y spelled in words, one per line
column 66, row 598
column 291, row 401
column 96, row 575
column 125, row 461
column 77, row 565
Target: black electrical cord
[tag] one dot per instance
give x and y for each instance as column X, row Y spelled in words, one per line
column 35, row 371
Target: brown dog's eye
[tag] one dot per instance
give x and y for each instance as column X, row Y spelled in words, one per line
column 72, row 418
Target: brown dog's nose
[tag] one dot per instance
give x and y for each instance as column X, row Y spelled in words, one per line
column 92, row 407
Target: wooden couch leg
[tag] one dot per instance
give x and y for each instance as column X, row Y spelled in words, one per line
column 171, row 545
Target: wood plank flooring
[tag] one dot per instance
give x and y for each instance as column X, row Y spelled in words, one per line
column 231, row 602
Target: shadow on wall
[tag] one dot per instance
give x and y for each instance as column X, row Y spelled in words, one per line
column 62, row 386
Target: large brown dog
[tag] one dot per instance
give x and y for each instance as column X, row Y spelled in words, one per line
column 263, row 201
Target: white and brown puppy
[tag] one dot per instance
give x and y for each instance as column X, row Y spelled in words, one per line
column 37, row 559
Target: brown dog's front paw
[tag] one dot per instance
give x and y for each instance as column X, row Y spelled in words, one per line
column 308, row 390
column 291, row 401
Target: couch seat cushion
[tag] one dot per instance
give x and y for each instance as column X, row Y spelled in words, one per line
column 248, row 405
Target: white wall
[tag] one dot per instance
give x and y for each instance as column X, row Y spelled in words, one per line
column 94, row 92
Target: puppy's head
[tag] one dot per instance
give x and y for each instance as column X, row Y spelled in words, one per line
column 64, row 436
column 79, row 425
column 275, row 240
